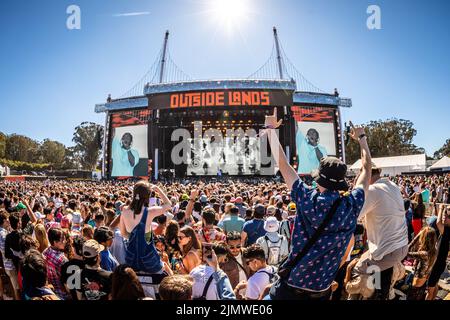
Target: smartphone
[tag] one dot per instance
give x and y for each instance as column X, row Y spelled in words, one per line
column 351, row 124
column 206, row 251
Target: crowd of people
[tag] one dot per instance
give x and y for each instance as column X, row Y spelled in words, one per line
column 371, row 237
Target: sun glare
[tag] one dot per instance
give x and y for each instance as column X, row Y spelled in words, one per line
column 229, row 14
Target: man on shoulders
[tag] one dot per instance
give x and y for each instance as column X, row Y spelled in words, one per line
column 387, row 233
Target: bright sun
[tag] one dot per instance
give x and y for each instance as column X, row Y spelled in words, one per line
column 229, row 13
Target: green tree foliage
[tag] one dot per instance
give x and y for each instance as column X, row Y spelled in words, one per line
column 88, row 138
column 22, row 148
column 388, row 138
column 3, row 138
column 53, row 152
column 72, row 159
column 444, row 151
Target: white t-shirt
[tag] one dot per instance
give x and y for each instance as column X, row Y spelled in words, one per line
column 383, row 214
column 258, row 282
column 201, row 275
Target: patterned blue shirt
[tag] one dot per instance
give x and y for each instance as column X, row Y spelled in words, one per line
column 317, row 270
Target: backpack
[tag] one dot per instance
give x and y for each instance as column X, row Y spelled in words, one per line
column 270, row 274
column 274, row 250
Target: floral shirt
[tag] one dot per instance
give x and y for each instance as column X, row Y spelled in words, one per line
column 317, row 270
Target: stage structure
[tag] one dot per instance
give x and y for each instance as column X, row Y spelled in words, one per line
column 179, row 127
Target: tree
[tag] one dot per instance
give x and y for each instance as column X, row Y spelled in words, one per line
column 3, row 138
column 72, row 159
column 22, row 148
column 388, row 138
column 53, row 152
column 88, row 138
column 444, row 151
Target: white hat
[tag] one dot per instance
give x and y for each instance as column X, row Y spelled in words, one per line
column 271, row 224
column 39, row 215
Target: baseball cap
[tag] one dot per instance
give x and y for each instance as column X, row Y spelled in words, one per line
column 184, row 197
column 20, row 206
column 271, row 210
column 203, row 198
column 271, row 224
column 39, row 215
column 291, row 206
column 92, row 248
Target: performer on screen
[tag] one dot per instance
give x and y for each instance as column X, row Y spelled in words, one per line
column 124, row 158
column 309, row 150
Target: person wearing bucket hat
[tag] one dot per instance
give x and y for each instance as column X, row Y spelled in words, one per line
column 275, row 246
column 324, row 223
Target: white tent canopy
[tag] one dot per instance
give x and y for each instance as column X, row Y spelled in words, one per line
column 396, row 165
column 444, row 163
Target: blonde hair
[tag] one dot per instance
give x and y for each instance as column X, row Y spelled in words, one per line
column 41, row 236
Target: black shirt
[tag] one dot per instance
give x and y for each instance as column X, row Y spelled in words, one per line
column 68, row 269
column 12, row 241
column 95, row 284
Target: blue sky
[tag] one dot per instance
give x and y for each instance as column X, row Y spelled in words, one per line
column 51, row 77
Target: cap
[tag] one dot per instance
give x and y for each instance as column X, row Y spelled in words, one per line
column 271, row 224
column 203, row 198
column 184, row 197
column 292, row 207
column 271, row 210
column 39, row 215
column 92, row 248
column 20, row 206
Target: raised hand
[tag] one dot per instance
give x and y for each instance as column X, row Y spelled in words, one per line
column 271, row 120
column 356, row 131
column 194, row 193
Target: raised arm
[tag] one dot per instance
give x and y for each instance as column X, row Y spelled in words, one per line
column 358, row 134
column 30, row 213
column 288, row 172
column 159, row 210
column 190, row 206
column 441, row 218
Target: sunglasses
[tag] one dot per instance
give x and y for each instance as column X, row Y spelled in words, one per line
column 235, row 247
column 181, row 237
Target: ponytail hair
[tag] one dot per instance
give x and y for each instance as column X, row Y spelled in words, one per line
column 141, row 196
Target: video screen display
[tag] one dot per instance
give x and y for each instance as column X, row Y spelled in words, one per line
column 315, row 136
column 228, row 156
column 129, row 154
